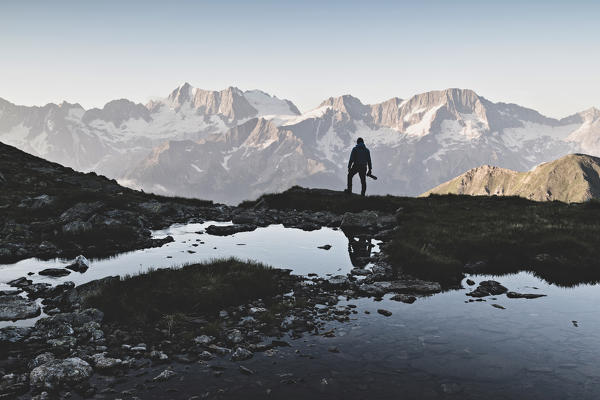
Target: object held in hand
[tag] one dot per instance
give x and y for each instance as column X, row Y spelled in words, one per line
column 370, row 175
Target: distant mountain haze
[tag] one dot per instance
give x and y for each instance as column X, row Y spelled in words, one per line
column 573, row 178
column 232, row 145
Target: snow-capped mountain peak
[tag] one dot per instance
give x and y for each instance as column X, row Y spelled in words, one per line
column 231, row 144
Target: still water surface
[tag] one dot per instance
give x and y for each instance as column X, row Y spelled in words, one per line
column 439, row 347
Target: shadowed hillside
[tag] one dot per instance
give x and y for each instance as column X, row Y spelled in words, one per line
column 48, row 210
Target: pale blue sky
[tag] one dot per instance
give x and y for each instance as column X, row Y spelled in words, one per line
column 540, row 54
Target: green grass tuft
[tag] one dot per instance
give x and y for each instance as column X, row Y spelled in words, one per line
column 199, row 289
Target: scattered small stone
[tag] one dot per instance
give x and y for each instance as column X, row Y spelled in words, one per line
column 257, row 310
column 235, row 336
column 361, row 271
column 204, row 340
column 164, row 376
column 241, row 354
column 470, row 282
column 105, row 363
column 384, row 312
column 246, row 371
column 515, row 295
column 325, row 247
column 498, row 306
column 404, row 298
column 159, row 356
column 333, row 349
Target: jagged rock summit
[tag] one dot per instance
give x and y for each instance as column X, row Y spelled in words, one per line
column 573, row 178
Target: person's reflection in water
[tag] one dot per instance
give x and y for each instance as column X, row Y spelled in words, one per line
column 359, row 249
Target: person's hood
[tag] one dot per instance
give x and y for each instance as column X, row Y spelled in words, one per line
column 361, row 145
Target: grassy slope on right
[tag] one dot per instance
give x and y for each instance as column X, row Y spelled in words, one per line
column 572, row 178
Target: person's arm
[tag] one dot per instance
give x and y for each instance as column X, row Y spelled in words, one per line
column 369, row 160
column 352, row 157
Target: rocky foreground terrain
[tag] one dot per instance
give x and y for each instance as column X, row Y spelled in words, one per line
column 94, row 341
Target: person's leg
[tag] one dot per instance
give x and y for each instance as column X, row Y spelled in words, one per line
column 351, row 174
column 363, row 180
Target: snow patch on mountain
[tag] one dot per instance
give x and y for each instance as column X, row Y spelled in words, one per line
column 423, row 127
column 267, row 105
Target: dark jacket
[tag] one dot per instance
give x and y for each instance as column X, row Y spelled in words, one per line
column 360, row 156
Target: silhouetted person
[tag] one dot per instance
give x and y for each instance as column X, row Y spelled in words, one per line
column 360, row 159
column 359, row 249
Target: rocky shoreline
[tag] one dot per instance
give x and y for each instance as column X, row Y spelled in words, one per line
column 62, row 353
column 63, row 350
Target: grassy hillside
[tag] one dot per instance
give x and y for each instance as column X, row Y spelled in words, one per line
column 573, row 178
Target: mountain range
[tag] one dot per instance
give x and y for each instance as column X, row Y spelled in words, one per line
column 574, row 178
column 232, row 145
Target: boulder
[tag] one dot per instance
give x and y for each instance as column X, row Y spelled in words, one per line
column 63, row 324
column 15, row 307
column 227, row 230
column 54, row 272
column 57, row 374
column 80, row 264
column 20, row 282
column 366, row 221
column 384, row 312
column 488, row 288
column 357, row 222
column 36, row 290
column 361, row 271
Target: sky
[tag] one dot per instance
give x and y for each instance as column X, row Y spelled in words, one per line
column 539, row 54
